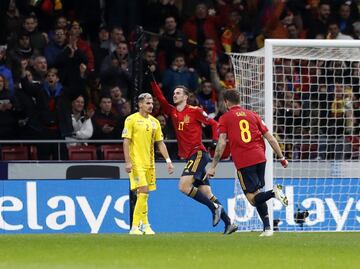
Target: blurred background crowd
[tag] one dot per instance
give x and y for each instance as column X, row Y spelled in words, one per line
column 66, row 66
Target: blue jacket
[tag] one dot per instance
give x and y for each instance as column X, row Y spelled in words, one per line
column 173, row 78
column 6, row 72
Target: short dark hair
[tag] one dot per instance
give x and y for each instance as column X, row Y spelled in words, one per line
column 232, row 96
column 105, row 96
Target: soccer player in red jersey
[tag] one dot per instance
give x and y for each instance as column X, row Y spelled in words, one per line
column 187, row 121
column 245, row 130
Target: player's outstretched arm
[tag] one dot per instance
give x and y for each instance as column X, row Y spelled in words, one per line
column 219, row 150
column 164, row 152
column 276, row 147
column 164, row 104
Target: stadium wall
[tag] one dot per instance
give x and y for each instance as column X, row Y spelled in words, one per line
column 40, row 198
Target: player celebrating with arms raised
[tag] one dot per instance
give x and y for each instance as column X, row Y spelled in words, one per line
column 245, row 131
column 140, row 132
column 187, row 121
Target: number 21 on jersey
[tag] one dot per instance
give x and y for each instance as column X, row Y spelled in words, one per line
column 245, row 131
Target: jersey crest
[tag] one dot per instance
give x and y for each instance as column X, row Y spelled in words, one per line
column 186, row 119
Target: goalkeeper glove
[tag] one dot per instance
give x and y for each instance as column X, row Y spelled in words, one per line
column 284, row 162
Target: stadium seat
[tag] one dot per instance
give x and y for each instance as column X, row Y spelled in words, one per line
column 11, row 153
column 112, row 152
column 82, row 153
column 33, row 152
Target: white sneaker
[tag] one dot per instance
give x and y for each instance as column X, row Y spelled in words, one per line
column 267, row 233
column 146, row 228
column 136, row 231
column 277, row 189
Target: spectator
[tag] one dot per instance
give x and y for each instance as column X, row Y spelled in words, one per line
column 22, row 50
column 153, row 43
column 40, row 68
column 173, row 41
column 231, row 31
column 51, row 109
column 60, row 22
column 202, row 26
column 82, row 127
column 116, row 37
column 94, row 90
column 117, row 100
column 208, row 57
column 55, row 46
column 5, row 71
column 157, row 12
column 318, row 24
column 100, row 47
column 30, row 26
column 10, row 20
column 206, row 97
column 345, row 19
column 178, row 74
column 71, row 63
column 277, row 25
column 116, row 58
column 7, row 114
column 29, row 105
column 341, row 116
column 356, row 26
column 150, row 68
column 125, row 110
column 105, row 122
column 293, row 32
column 334, row 32
column 115, row 69
column 241, row 44
column 75, row 36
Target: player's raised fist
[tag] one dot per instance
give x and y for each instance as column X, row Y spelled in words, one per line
column 284, row 162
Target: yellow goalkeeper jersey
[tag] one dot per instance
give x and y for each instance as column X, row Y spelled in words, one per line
column 143, row 133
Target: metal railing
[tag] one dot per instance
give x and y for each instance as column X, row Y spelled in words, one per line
column 77, row 141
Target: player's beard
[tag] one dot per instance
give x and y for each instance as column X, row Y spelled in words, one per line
column 177, row 102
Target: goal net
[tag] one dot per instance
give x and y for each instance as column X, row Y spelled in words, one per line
column 308, row 93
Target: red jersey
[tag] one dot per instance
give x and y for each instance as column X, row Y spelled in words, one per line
column 187, row 124
column 244, row 129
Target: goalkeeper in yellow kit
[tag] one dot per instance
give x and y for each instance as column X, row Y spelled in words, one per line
column 140, row 132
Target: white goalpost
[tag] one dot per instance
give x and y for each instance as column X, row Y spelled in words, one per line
column 307, row 91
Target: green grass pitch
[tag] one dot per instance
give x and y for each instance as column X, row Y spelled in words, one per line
column 181, row 250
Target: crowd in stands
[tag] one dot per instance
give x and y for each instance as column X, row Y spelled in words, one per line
column 66, row 65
